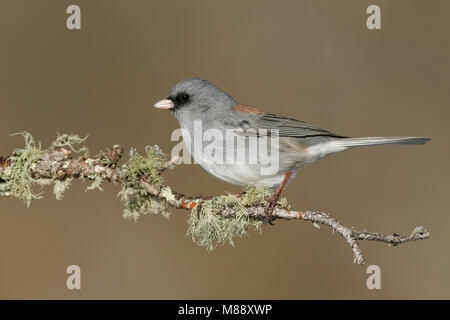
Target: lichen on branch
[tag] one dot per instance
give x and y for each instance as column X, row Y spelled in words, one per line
column 133, row 194
column 17, row 176
column 209, row 228
column 213, row 221
column 17, row 179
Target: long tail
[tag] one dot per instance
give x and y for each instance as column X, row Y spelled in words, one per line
column 340, row 144
column 372, row 141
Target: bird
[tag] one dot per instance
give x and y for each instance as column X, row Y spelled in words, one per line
column 204, row 111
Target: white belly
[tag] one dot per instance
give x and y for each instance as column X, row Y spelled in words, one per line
column 243, row 174
column 234, row 172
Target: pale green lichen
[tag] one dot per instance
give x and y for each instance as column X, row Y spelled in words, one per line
column 418, row 231
column 167, row 194
column 96, row 183
column 135, row 196
column 69, row 141
column 208, row 228
column 60, row 187
column 105, row 156
column 17, row 177
column 284, row 203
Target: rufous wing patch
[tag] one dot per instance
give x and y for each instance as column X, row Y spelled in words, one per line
column 247, row 109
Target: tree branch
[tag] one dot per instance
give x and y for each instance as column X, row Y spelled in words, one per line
column 57, row 165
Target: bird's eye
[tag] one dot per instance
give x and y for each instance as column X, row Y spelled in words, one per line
column 184, row 97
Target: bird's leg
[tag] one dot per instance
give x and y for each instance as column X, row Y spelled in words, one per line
column 272, row 201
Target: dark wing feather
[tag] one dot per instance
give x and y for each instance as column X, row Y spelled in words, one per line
column 291, row 127
column 286, row 127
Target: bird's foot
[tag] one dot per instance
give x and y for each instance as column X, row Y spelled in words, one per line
column 271, row 203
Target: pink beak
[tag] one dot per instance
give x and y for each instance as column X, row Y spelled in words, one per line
column 164, row 104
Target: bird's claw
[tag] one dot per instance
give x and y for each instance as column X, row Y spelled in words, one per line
column 271, row 203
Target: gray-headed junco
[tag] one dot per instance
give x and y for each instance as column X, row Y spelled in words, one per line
column 205, row 113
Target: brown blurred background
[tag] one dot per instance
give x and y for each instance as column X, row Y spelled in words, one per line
column 311, row 60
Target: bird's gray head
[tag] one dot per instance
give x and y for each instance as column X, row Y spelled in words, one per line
column 195, row 96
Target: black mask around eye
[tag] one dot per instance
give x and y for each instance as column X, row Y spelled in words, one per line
column 184, row 97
